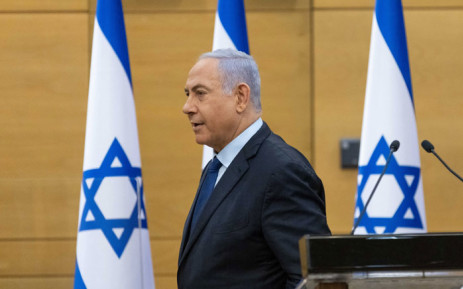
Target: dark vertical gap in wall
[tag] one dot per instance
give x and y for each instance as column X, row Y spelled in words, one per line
column 312, row 83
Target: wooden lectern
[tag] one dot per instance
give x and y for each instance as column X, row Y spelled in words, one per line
column 405, row 261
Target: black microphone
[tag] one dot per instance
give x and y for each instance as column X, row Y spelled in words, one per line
column 392, row 149
column 394, row 146
column 427, row 146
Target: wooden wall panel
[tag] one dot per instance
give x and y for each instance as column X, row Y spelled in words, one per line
column 436, row 41
column 161, row 282
column 280, row 43
column 371, row 3
column 341, row 43
column 43, row 5
column 165, row 282
column 44, row 80
column 37, row 257
column 57, row 257
column 37, row 282
column 341, row 59
column 164, row 6
column 39, row 208
column 165, row 257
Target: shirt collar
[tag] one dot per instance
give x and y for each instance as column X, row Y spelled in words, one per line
column 229, row 152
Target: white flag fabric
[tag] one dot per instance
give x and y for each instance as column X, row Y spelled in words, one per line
column 229, row 32
column 113, row 246
column 398, row 204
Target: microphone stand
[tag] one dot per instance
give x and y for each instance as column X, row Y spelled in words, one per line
column 448, row 168
column 374, row 189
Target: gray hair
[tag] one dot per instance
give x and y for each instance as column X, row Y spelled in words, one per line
column 236, row 67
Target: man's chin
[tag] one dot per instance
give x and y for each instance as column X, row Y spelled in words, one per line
column 203, row 142
column 200, row 140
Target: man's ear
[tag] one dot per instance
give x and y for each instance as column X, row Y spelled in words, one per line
column 243, row 97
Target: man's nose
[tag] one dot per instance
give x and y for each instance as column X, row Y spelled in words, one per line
column 189, row 106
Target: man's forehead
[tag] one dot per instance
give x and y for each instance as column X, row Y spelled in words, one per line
column 203, row 71
column 205, row 65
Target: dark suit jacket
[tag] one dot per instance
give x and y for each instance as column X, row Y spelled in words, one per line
column 247, row 235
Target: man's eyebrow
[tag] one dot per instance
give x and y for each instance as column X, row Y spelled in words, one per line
column 196, row 87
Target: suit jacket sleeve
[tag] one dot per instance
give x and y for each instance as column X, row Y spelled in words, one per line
column 294, row 205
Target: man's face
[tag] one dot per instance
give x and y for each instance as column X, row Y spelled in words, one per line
column 212, row 113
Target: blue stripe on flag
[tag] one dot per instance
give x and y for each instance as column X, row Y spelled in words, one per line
column 232, row 16
column 78, row 281
column 111, row 20
column 390, row 18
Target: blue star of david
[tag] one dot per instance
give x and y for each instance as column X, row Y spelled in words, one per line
column 399, row 173
column 99, row 221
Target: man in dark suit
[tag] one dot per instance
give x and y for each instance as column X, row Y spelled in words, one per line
column 257, row 197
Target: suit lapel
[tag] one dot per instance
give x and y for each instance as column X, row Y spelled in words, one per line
column 225, row 185
column 187, row 227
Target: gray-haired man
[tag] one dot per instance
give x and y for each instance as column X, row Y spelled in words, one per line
column 256, row 198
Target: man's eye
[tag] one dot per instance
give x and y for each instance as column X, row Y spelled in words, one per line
column 201, row 92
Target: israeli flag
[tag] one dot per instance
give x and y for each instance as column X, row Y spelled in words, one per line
column 113, row 245
column 229, row 32
column 398, row 204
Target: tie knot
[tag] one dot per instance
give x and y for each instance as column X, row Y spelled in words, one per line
column 215, row 165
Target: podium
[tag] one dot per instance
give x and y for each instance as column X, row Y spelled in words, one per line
column 383, row 261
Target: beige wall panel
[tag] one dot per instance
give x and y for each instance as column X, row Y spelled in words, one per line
column 280, row 44
column 341, row 44
column 56, row 258
column 166, row 282
column 371, row 3
column 44, row 80
column 37, row 258
column 436, row 41
column 165, row 256
column 39, row 208
column 144, row 6
column 37, row 282
column 162, row 282
column 163, row 47
column 43, row 5
column 341, row 59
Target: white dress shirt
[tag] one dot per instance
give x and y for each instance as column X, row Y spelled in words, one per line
column 229, row 152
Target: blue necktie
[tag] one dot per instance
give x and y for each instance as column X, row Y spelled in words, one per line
column 206, row 189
